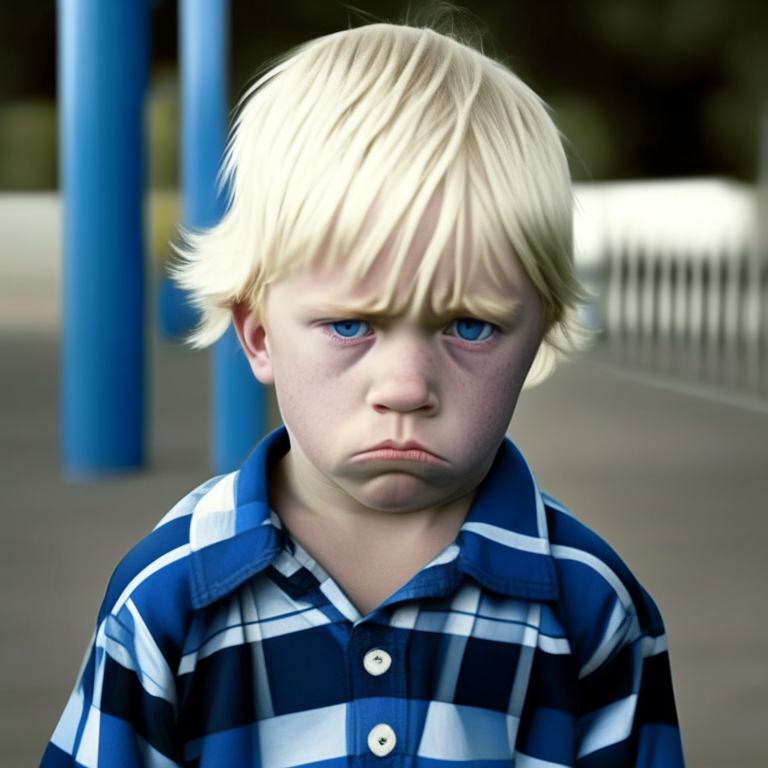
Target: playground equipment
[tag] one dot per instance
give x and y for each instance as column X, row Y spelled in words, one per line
column 103, row 62
column 103, row 69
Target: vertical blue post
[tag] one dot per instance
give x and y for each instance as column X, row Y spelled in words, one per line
column 103, row 63
column 239, row 406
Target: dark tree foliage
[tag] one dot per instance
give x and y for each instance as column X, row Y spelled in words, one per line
column 641, row 87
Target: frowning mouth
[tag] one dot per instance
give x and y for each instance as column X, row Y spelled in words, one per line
column 390, row 450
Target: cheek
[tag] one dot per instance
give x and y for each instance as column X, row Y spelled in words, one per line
column 485, row 400
column 487, row 409
column 314, row 400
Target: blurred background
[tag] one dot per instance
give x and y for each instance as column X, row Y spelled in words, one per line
column 658, row 438
column 642, row 88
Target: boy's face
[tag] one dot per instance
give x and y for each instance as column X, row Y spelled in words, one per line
column 394, row 412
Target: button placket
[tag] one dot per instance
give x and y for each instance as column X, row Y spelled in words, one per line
column 378, row 688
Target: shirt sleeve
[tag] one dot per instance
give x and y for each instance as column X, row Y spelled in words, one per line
column 123, row 710
column 627, row 716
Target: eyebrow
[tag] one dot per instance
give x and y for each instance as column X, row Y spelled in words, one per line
column 491, row 311
column 350, row 309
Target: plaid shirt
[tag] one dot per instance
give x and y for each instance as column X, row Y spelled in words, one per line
column 220, row 642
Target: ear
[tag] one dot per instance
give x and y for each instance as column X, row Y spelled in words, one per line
column 253, row 339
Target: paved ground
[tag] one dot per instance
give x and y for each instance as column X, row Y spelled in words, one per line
column 678, row 485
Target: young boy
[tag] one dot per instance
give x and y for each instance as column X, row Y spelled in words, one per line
column 382, row 583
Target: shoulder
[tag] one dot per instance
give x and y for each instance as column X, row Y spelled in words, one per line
column 151, row 584
column 602, row 605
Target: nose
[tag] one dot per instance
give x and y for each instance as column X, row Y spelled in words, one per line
column 404, row 381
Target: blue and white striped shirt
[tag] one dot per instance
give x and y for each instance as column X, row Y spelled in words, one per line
column 220, row 642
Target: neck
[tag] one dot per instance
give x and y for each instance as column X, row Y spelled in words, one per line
column 369, row 553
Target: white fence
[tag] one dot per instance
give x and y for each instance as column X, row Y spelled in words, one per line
column 680, row 277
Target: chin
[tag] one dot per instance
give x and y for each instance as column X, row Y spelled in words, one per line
column 399, row 492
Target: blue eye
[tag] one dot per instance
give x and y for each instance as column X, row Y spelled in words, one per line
column 470, row 329
column 351, row 329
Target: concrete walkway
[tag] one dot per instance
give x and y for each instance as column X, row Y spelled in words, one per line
column 678, row 485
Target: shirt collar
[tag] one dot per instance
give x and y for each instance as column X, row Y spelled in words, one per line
column 503, row 543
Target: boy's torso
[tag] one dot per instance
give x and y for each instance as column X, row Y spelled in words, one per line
column 287, row 669
column 523, row 640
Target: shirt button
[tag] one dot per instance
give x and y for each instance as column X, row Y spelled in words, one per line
column 381, row 740
column 377, row 662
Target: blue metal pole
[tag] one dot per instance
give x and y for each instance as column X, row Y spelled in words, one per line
column 239, row 405
column 103, row 65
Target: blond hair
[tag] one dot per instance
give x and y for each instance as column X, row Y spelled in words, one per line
column 338, row 150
